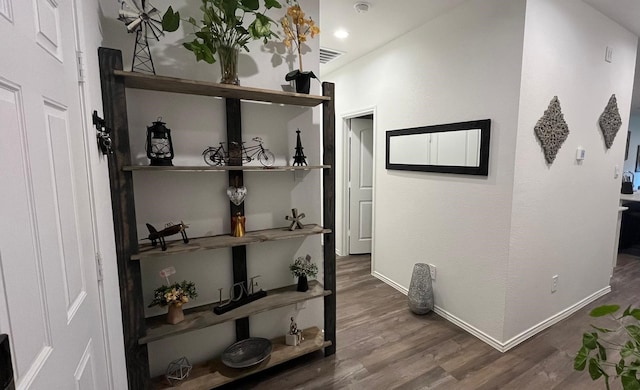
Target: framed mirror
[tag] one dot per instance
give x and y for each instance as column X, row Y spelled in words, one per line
column 461, row 148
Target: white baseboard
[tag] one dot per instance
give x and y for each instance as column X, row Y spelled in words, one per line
column 554, row 319
column 500, row 346
column 338, row 252
column 390, row 282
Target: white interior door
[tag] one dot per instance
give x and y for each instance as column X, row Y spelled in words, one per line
column 361, row 186
column 49, row 305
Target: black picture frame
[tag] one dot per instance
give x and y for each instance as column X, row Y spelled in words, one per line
column 638, row 160
column 626, row 151
column 485, row 136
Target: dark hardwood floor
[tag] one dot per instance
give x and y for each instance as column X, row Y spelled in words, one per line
column 382, row 345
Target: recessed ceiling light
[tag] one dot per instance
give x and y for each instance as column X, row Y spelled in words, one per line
column 341, row 33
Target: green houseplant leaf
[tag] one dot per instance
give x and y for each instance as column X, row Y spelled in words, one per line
column 589, row 340
column 630, row 382
column 604, row 310
column 580, row 362
column 594, row 369
column 170, row 20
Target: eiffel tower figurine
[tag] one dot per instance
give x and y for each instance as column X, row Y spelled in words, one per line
column 299, row 158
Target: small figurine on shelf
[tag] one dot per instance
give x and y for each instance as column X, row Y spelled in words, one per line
column 294, row 337
column 170, row 229
column 302, row 267
column 238, row 225
column 173, row 295
column 299, row 159
column 295, row 220
column 178, row 370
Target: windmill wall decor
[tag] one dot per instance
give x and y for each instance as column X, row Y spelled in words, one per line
column 144, row 20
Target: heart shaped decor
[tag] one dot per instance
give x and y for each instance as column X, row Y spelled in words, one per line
column 237, row 194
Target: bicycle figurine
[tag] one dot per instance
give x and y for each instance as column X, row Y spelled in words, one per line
column 220, row 156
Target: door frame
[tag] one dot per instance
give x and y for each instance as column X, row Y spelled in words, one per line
column 346, row 154
column 109, row 302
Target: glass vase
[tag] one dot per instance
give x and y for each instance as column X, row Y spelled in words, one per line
column 228, row 58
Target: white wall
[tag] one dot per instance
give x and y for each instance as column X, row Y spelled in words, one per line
column 564, row 215
column 200, row 200
column 462, row 66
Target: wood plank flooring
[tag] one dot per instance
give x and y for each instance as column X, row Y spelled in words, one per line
column 382, row 345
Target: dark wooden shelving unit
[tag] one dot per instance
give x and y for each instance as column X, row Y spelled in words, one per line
column 138, row 330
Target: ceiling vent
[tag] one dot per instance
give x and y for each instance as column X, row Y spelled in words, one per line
column 328, row 55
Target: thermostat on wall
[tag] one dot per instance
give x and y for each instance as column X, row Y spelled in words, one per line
column 580, row 152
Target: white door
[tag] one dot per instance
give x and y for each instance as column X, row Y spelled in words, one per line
column 361, row 186
column 49, row 303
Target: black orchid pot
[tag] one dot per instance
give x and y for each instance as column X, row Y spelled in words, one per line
column 302, row 79
column 303, row 283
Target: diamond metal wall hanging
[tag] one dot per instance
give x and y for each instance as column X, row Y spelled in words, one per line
column 610, row 121
column 552, row 130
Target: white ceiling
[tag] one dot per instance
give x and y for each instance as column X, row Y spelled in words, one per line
column 625, row 12
column 389, row 19
column 385, row 21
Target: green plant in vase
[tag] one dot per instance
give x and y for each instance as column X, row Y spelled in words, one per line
column 222, row 31
column 302, row 267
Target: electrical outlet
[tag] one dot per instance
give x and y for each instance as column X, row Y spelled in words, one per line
column 554, row 283
column 432, row 270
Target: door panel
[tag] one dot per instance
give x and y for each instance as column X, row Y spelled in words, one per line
column 361, row 186
column 28, row 321
column 48, row 27
column 67, row 225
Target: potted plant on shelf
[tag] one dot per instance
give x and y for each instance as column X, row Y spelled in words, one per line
column 174, row 296
column 612, row 353
column 302, row 267
column 222, row 31
column 296, row 29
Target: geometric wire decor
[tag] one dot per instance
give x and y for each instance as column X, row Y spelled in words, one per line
column 552, row 130
column 610, row 121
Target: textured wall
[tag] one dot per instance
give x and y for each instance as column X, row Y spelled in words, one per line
column 564, row 215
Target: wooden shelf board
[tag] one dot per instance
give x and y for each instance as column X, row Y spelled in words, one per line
column 204, row 317
column 193, row 87
column 226, row 241
column 214, row 373
column 222, row 168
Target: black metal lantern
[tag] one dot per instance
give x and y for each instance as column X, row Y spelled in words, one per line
column 159, row 146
